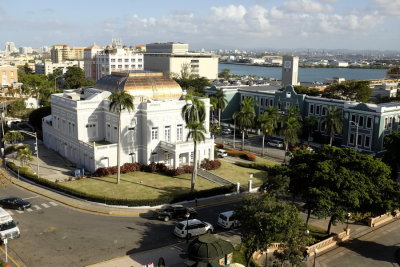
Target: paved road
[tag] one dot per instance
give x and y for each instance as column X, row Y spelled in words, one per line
column 56, row 235
column 376, row 248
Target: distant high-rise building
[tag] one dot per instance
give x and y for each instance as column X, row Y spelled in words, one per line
column 290, row 70
column 25, row 50
column 101, row 62
column 170, row 58
column 10, row 47
column 60, row 53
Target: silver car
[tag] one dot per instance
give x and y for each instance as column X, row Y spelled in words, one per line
column 192, row 228
column 275, row 143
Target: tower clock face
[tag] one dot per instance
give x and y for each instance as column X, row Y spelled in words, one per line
column 288, row 64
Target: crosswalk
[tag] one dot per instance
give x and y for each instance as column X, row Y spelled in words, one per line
column 34, row 208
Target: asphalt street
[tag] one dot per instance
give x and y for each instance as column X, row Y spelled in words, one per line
column 56, row 235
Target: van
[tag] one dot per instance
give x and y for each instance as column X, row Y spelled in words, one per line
column 8, row 228
column 192, row 227
column 227, row 220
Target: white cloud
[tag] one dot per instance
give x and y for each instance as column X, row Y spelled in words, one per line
column 390, row 7
column 307, row 6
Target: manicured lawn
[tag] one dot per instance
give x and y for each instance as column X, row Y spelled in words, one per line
column 235, row 173
column 138, row 185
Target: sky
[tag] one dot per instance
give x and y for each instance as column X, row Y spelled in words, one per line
column 208, row 24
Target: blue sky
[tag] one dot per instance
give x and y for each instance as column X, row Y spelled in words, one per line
column 233, row 24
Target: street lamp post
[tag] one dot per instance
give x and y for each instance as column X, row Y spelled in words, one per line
column 234, row 133
column 348, row 217
column 266, row 257
column 315, row 255
column 187, row 215
column 356, row 144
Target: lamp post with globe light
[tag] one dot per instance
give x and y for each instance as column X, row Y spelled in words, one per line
column 187, row 215
column 348, row 217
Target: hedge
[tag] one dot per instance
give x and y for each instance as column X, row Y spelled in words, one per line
column 211, row 164
column 258, row 166
column 26, row 173
column 241, row 154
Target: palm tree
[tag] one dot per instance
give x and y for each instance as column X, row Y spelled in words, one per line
column 12, row 137
column 24, row 155
column 290, row 128
column 193, row 113
column 245, row 116
column 309, row 123
column 213, row 107
column 120, row 101
column 268, row 122
column 333, row 122
column 221, row 103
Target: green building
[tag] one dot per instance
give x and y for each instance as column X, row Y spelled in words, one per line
column 364, row 125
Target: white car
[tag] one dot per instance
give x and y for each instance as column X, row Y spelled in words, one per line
column 192, row 227
column 275, row 143
column 221, row 153
column 227, row 220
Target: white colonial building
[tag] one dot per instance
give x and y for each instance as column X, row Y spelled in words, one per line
column 83, row 129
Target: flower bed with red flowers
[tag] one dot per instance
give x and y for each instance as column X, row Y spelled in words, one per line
column 241, row 154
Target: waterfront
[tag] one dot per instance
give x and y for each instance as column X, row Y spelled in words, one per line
column 307, row 74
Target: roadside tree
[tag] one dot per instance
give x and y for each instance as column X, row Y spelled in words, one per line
column 290, row 128
column 267, row 123
column 24, row 155
column 120, row 101
column 333, row 122
column 193, row 113
column 245, row 116
column 13, row 137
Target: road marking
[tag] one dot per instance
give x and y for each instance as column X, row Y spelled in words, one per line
column 53, row 204
column 37, row 207
column 19, row 211
column 29, row 209
column 30, row 197
column 45, row 205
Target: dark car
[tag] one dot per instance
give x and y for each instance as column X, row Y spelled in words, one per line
column 14, row 203
column 175, row 212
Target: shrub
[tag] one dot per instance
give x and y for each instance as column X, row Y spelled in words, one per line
column 174, row 172
column 187, row 168
column 152, row 167
column 211, row 164
column 131, row 167
column 100, row 172
column 160, row 167
column 113, row 170
column 219, row 146
column 242, row 155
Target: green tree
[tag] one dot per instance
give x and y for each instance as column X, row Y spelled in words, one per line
column 16, row 107
column 333, row 122
column 267, row 123
column 309, row 123
column 349, row 90
column 392, row 152
column 193, row 113
column 75, row 78
column 336, row 181
column 35, row 84
column 225, row 74
column 213, row 103
column 276, row 181
column 12, row 137
column 24, row 155
column 191, row 82
column 306, row 90
column 245, row 116
column 221, row 103
column 265, row 221
column 120, row 101
column 290, row 128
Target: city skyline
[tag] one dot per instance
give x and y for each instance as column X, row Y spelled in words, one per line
column 225, row 24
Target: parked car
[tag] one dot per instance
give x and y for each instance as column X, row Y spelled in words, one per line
column 226, row 130
column 14, row 203
column 221, row 153
column 227, row 220
column 174, row 212
column 192, row 228
column 275, row 143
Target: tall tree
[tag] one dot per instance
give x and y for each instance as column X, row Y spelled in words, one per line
column 308, row 126
column 245, row 116
column 264, row 221
column 193, row 113
column 333, row 122
column 221, row 104
column 75, row 78
column 349, row 90
column 267, row 123
column 290, row 128
column 392, row 153
column 120, row 101
column 24, row 155
column 12, row 137
column 214, row 104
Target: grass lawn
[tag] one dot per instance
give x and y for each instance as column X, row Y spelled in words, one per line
column 138, row 185
column 235, row 173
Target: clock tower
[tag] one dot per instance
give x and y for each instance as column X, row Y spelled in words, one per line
column 290, row 70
